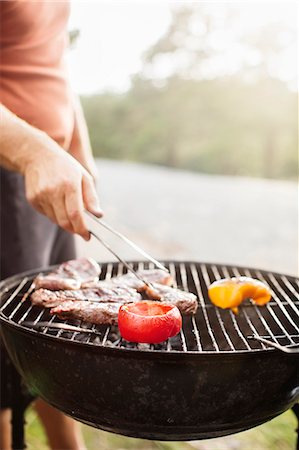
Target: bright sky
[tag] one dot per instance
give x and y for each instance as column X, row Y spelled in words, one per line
column 114, row 34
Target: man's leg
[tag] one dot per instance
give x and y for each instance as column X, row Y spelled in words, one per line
column 28, row 241
column 5, row 429
column 5, row 402
column 63, row 432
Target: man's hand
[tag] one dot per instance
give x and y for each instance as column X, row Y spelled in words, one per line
column 59, row 187
column 56, row 184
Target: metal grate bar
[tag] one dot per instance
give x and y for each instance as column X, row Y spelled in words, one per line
column 268, row 307
column 21, row 303
column 93, row 328
column 257, row 310
column 106, row 335
column 264, row 322
column 185, row 286
column 151, row 265
column 52, row 319
column 173, row 274
column 16, row 309
column 25, row 296
column 26, row 314
column 232, row 315
column 290, row 286
column 284, row 295
column 196, row 333
column 109, row 271
column 14, row 294
column 286, row 314
column 227, row 275
column 282, row 308
column 196, row 280
column 120, row 269
column 74, row 333
column 220, row 321
column 247, row 318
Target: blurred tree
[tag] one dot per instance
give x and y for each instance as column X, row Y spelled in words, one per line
column 197, row 114
column 73, row 37
column 203, row 36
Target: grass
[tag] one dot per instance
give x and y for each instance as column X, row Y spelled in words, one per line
column 278, row 434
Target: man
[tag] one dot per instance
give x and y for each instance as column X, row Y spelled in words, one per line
column 47, row 169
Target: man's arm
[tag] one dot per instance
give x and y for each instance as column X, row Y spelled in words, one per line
column 56, row 184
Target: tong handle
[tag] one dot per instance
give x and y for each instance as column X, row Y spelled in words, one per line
column 59, row 326
column 118, row 257
column 127, row 240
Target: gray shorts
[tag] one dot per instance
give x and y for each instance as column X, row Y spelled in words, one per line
column 28, row 240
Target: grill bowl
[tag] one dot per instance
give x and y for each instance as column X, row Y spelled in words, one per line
column 166, row 393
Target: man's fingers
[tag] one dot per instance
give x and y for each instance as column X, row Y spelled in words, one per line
column 74, row 208
column 90, row 197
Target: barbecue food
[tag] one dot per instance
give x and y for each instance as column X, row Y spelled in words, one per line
column 149, row 322
column 184, row 301
column 73, row 274
column 74, row 290
column 99, row 313
column 108, row 294
column 149, row 275
column 231, row 292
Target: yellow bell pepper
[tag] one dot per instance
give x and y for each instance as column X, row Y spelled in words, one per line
column 231, row 292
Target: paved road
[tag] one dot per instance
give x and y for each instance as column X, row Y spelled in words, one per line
column 176, row 214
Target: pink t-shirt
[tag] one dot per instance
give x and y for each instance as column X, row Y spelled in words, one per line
column 33, row 82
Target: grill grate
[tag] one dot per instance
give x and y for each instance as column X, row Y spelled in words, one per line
column 210, row 330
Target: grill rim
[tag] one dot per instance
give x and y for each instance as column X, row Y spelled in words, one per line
column 15, row 280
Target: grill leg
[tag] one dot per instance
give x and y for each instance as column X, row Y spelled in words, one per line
column 18, row 410
column 295, row 410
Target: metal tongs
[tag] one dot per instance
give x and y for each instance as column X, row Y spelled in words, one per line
column 129, row 242
column 291, row 348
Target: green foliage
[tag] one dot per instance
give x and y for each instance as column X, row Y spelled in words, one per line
column 73, row 37
column 215, row 126
column 278, row 434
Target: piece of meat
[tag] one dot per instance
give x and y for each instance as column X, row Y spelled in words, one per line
column 149, row 275
column 109, row 294
column 72, row 274
column 97, row 301
column 186, row 302
column 102, row 312
column 54, row 282
column 98, row 313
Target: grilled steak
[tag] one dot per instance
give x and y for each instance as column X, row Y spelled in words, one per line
column 73, row 274
column 109, row 294
column 149, row 275
column 74, row 290
column 185, row 301
column 99, row 313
